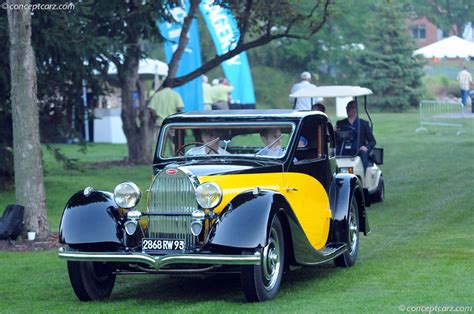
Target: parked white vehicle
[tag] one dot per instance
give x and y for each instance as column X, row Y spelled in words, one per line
column 372, row 180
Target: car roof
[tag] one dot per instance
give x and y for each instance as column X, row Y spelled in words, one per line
column 253, row 114
column 331, row 91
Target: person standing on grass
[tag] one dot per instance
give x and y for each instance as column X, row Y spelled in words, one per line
column 220, row 95
column 465, row 79
column 207, row 93
column 304, row 103
column 162, row 104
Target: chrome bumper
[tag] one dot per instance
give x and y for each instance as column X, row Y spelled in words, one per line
column 159, row 261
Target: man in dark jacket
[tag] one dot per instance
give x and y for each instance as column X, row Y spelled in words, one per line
column 366, row 139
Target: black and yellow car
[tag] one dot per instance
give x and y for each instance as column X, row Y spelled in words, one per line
column 254, row 191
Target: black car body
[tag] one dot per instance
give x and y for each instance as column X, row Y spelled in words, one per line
column 230, row 207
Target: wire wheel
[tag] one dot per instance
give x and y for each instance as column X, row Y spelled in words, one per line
column 262, row 282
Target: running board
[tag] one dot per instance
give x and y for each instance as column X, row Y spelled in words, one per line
column 329, row 252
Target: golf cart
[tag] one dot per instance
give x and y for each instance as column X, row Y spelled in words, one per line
column 347, row 138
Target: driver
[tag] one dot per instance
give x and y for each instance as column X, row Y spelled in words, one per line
column 210, row 140
column 366, row 138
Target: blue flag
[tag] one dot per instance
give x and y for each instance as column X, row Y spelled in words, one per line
column 225, row 34
column 191, row 92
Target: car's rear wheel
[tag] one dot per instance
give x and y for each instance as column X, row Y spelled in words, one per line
column 262, row 282
column 348, row 258
column 91, row 280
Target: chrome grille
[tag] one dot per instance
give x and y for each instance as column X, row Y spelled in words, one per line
column 172, row 194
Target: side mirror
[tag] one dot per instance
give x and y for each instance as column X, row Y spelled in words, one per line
column 377, row 155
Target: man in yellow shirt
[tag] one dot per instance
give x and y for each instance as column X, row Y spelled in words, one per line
column 220, row 95
column 207, row 93
column 162, row 104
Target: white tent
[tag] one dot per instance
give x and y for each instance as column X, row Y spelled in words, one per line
column 451, row 47
column 146, row 66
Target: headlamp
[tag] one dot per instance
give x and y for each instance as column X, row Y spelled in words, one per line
column 346, row 170
column 208, row 195
column 127, row 194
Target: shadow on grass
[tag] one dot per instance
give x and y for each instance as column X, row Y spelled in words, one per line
column 225, row 287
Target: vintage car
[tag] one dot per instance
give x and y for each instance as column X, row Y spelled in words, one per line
column 252, row 191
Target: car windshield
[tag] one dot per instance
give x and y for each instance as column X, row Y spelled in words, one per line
column 257, row 140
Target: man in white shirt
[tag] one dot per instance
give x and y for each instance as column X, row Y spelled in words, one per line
column 465, row 79
column 304, row 103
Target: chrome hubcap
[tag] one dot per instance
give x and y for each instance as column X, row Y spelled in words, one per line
column 353, row 230
column 271, row 261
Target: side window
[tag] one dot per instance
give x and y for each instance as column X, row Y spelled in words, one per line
column 311, row 142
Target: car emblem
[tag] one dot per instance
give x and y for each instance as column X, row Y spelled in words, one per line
column 171, row 171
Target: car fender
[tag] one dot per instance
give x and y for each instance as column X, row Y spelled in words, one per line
column 343, row 188
column 90, row 219
column 245, row 222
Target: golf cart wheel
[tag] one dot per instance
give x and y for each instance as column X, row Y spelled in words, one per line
column 379, row 195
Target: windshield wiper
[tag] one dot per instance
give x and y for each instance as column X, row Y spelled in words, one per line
column 268, row 146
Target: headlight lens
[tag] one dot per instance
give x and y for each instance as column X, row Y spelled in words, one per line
column 346, row 170
column 208, row 195
column 127, row 194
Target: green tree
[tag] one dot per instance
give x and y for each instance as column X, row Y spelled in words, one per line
column 29, row 183
column 449, row 15
column 387, row 63
column 6, row 134
column 125, row 24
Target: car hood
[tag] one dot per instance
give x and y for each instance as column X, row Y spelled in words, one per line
column 221, row 167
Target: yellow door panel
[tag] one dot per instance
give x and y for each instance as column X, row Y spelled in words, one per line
column 306, row 195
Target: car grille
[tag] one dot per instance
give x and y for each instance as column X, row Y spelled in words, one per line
column 172, row 193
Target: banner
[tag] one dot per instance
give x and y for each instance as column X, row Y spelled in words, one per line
column 191, row 92
column 225, row 34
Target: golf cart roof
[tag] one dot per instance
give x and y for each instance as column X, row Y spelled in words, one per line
column 332, row 91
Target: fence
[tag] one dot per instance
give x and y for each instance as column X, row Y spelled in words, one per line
column 439, row 113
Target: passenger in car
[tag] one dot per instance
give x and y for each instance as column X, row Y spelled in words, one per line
column 272, row 139
column 210, row 139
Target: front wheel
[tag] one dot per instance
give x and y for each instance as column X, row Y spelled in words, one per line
column 348, row 258
column 91, row 280
column 379, row 195
column 261, row 282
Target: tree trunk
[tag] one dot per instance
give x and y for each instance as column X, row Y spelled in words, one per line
column 135, row 119
column 29, row 184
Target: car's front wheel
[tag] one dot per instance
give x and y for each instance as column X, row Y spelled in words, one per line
column 348, row 258
column 91, row 280
column 261, row 282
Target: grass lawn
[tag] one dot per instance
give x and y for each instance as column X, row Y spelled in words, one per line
column 420, row 251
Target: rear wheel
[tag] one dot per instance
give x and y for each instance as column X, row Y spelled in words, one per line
column 261, row 282
column 91, row 280
column 348, row 258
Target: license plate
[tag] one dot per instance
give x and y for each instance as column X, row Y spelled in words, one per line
column 163, row 245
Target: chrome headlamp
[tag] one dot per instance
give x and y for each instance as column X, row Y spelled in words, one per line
column 208, row 195
column 127, row 195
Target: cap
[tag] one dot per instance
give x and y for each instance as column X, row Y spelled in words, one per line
column 215, row 82
column 305, row 75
